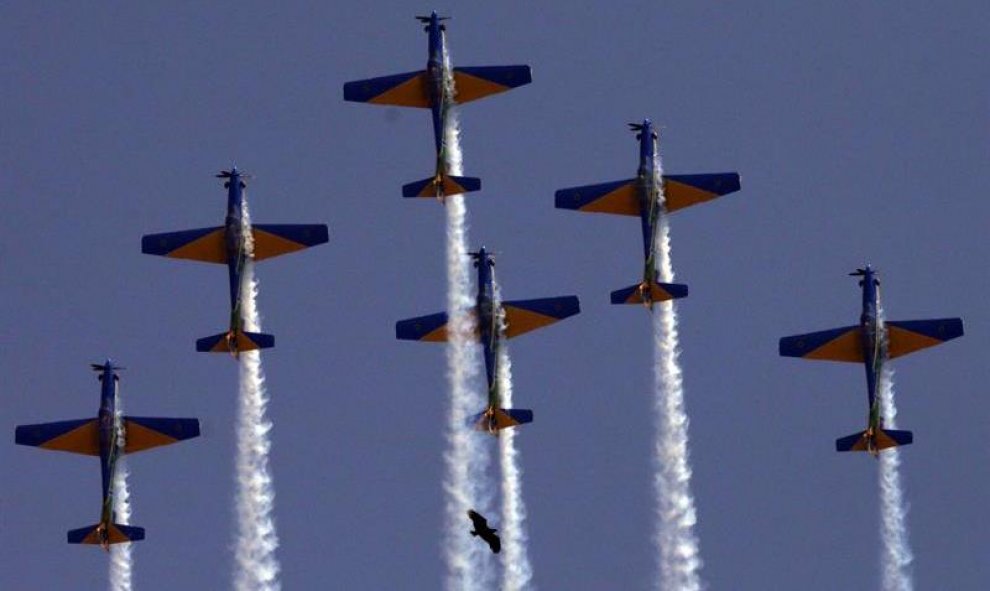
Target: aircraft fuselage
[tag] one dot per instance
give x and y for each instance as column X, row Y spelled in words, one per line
column 871, row 335
column 235, row 244
column 439, row 98
column 109, row 450
column 488, row 318
column 648, row 189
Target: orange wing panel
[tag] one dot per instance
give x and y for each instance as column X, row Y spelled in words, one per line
column 210, row 249
column 411, row 93
column 139, row 438
column 470, row 88
column 901, row 342
column 81, row 440
column 267, row 245
column 848, row 347
column 678, row 195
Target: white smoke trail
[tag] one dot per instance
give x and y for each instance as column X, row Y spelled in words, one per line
column 121, row 559
column 518, row 574
column 680, row 555
column 896, row 556
column 255, row 542
column 467, row 482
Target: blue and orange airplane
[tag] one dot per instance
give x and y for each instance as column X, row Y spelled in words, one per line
column 102, row 437
column 437, row 88
column 231, row 244
column 872, row 342
column 494, row 321
column 641, row 196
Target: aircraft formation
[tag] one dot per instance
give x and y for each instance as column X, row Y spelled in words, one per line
column 438, row 88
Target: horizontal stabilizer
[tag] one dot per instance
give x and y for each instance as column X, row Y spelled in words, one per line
column 618, row 197
column 401, row 90
column 272, row 240
column 658, row 292
column 685, row 190
column 883, row 439
column 225, row 342
column 448, row 185
column 522, row 316
column 500, row 418
column 116, row 534
column 141, row 433
column 838, row 344
column 908, row 336
column 474, row 83
column 203, row 244
column 81, row 436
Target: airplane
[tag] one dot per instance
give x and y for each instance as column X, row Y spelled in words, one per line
column 872, row 342
column 437, row 88
column 229, row 244
column 519, row 317
column 101, row 437
column 481, row 528
column 640, row 197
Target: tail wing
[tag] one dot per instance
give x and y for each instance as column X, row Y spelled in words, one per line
column 81, row 436
column 883, row 439
column 402, row 90
column 116, row 534
column 272, row 240
column 474, row 83
column 685, row 190
column 202, row 244
column 838, row 344
column 241, row 341
column 618, row 197
column 522, row 316
column 141, row 433
column 500, row 418
column 659, row 292
column 448, row 185
column 908, row 336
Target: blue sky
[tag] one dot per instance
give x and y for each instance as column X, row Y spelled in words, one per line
column 860, row 132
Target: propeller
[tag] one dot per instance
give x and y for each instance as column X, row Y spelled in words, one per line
column 100, row 366
column 862, row 273
column 638, row 128
column 476, row 256
column 229, row 174
column 226, row 174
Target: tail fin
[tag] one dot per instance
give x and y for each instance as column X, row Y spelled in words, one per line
column 881, row 440
column 235, row 342
column 494, row 420
column 658, row 292
column 115, row 534
column 441, row 186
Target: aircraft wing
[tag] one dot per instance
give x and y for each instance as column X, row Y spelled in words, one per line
column 202, row 244
column 838, row 344
column 432, row 328
column 908, row 336
column 402, row 90
column 141, row 433
column 617, row 197
column 272, row 240
column 522, row 316
column 81, row 436
column 474, row 83
column 685, row 190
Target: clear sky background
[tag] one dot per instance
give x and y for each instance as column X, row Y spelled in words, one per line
column 860, row 131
